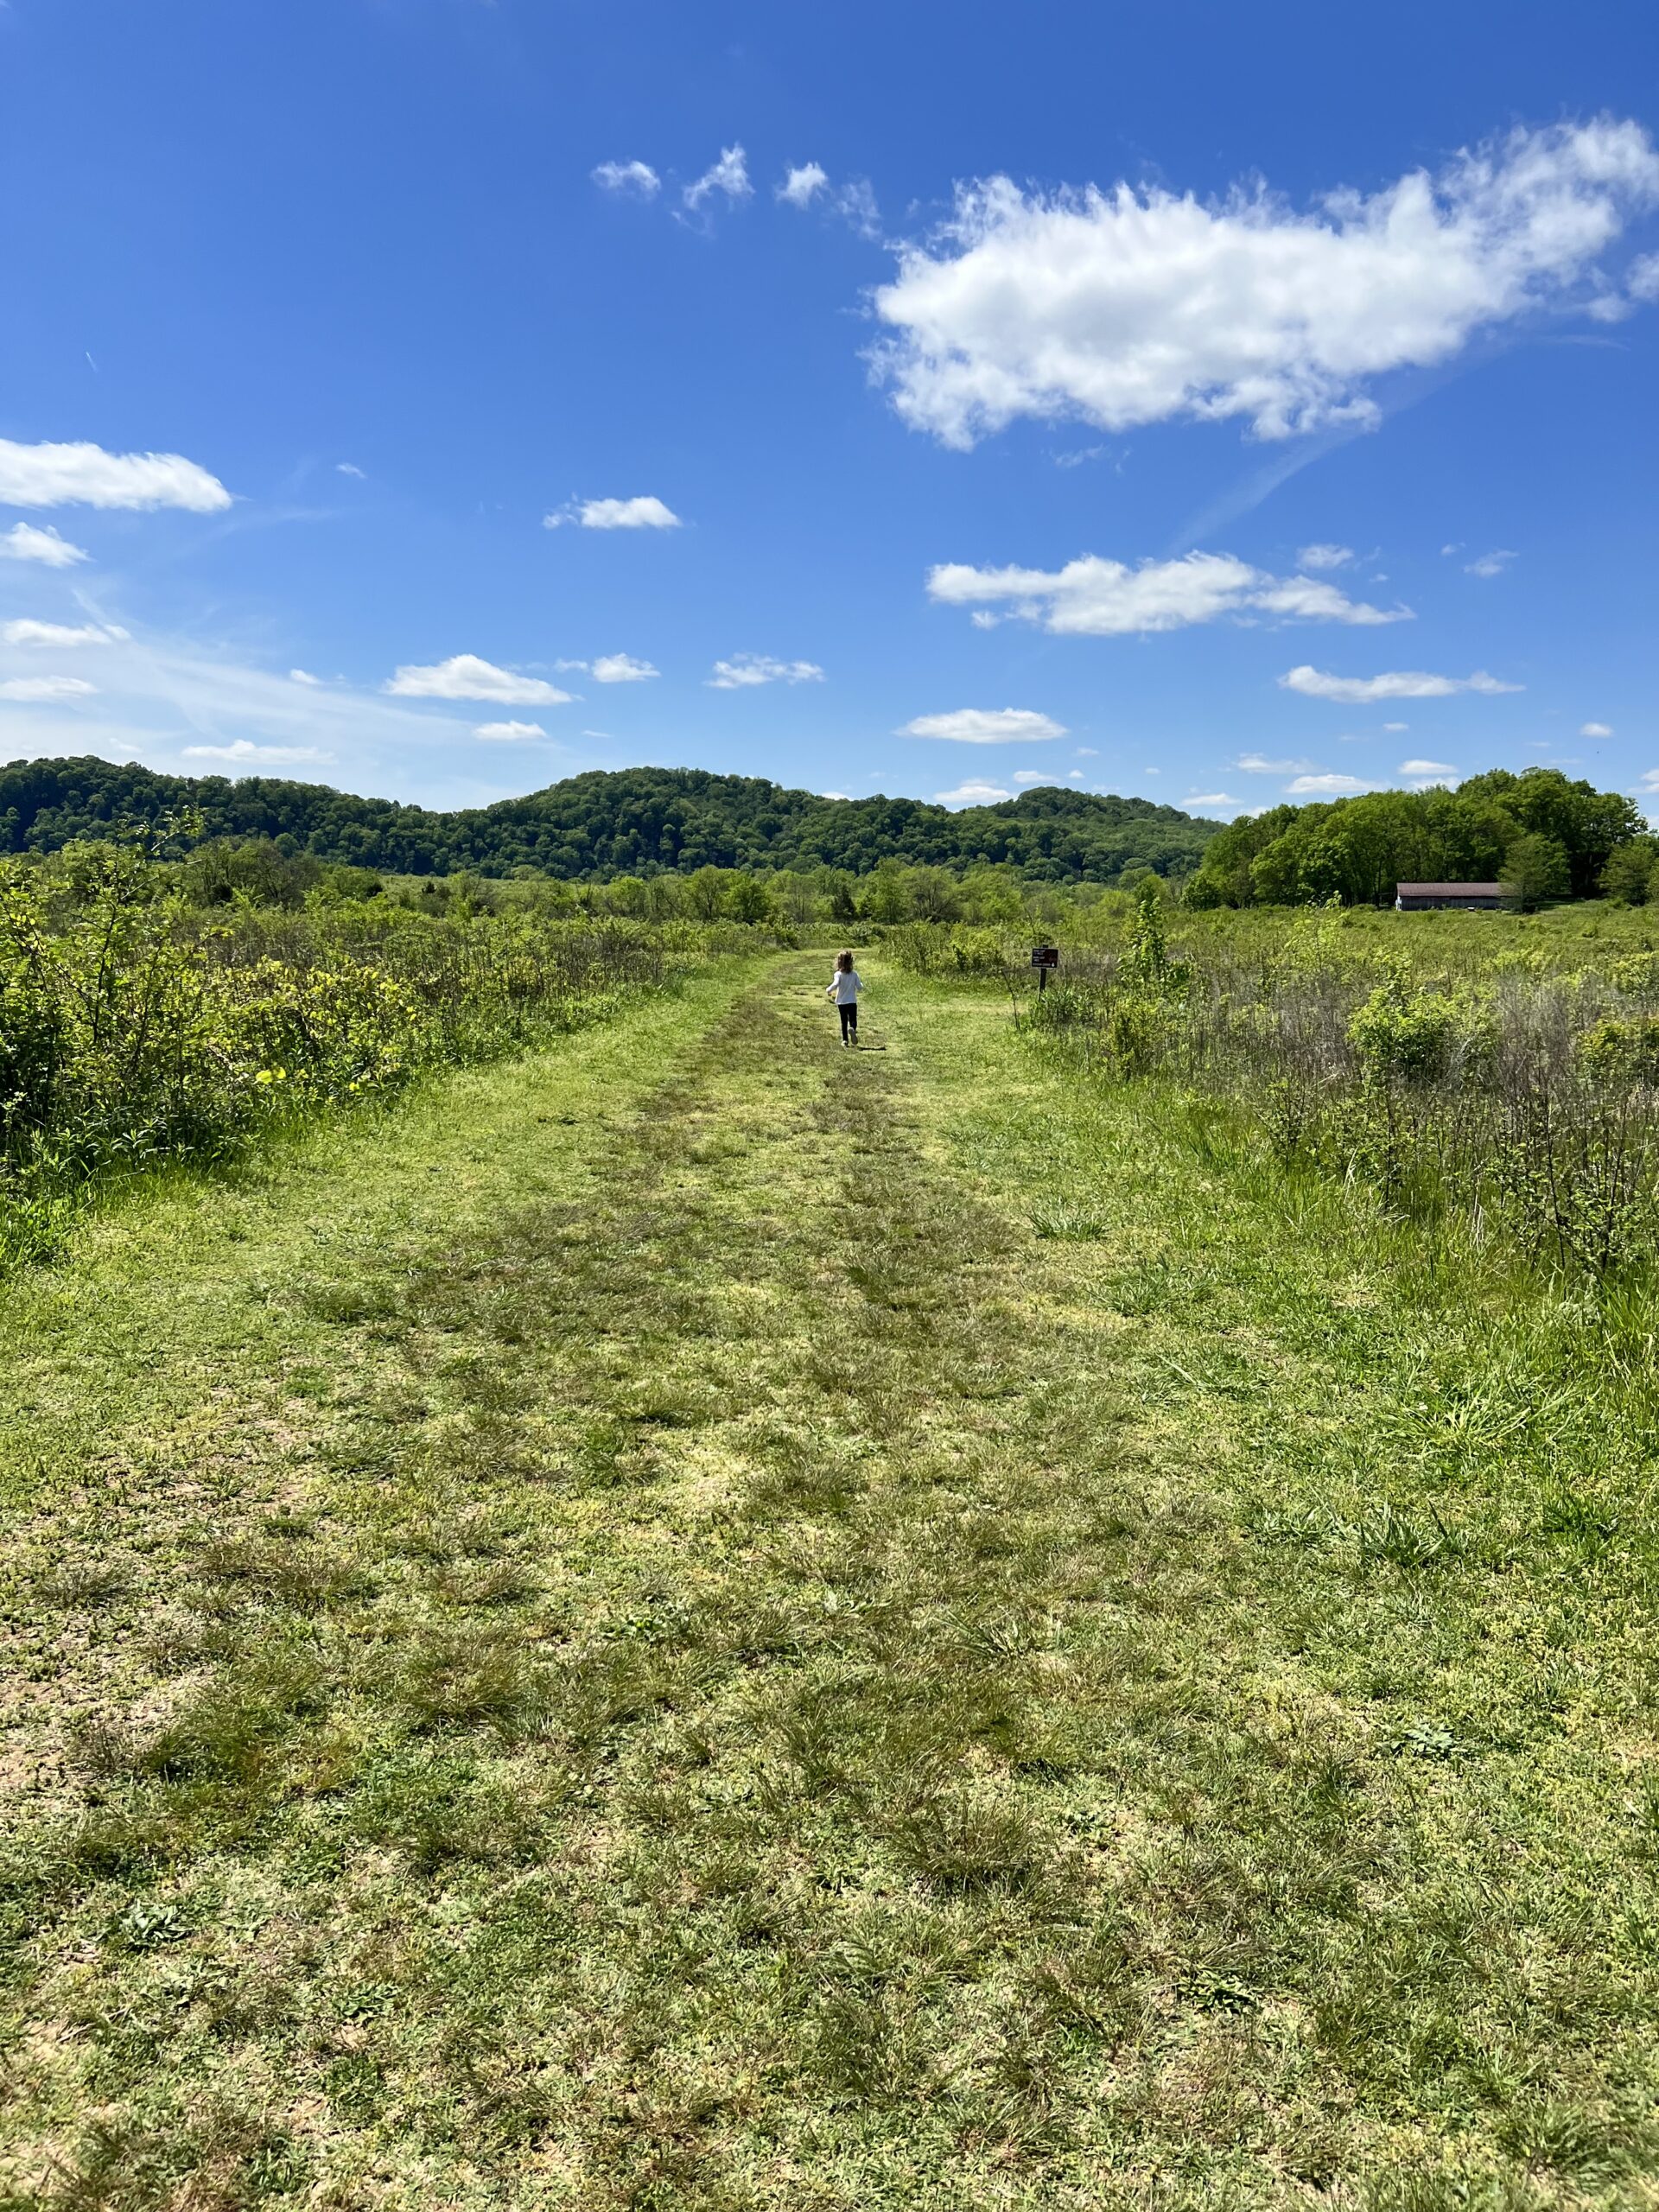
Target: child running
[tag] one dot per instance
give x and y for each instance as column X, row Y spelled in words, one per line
column 844, row 988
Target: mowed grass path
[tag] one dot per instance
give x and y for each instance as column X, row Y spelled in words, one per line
column 705, row 1621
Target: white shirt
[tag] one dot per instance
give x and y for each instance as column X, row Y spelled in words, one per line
column 846, row 987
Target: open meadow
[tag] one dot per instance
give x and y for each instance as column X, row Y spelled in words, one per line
column 1051, row 1613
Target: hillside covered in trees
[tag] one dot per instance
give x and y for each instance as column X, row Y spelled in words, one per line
column 635, row 821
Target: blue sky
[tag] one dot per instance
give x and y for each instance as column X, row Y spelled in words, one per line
column 1207, row 403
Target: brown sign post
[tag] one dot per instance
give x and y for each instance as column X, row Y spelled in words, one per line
column 1043, row 957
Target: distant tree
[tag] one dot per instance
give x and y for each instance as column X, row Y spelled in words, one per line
column 748, row 900
column 1630, row 874
column 1535, row 869
column 887, row 896
column 628, row 894
column 704, row 894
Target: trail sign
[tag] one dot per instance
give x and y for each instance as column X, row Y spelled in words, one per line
column 1043, row 957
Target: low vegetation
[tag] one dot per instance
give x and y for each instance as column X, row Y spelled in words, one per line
column 693, row 1620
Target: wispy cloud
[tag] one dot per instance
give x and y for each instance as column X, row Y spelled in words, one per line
column 1429, row 771
column 1327, row 786
column 986, row 725
column 802, row 185
column 1209, row 800
column 244, row 752
column 349, row 468
column 1489, row 564
column 464, row 676
column 23, row 542
column 1324, row 556
column 1595, row 729
column 35, row 690
column 745, row 671
column 643, row 512
column 1257, row 764
column 636, row 180
column 85, row 475
column 1398, row 683
column 509, row 733
column 728, row 175
column 27, row 632
column 972, row 793
column 1091, row 597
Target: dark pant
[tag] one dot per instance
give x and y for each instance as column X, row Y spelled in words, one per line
column 848, row 1022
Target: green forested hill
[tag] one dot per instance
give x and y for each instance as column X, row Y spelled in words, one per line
column 636, row 820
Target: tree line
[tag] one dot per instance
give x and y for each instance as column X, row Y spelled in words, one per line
column 1543, row 834
column 643, row 822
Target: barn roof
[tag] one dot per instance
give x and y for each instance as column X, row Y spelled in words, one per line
column 1449, row 890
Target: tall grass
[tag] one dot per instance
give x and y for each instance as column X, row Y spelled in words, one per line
column 137, row 1026
column 1504, row 1084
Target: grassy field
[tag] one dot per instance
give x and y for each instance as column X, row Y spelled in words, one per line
column 699, row 1620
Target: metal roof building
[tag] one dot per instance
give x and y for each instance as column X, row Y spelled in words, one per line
column 1481, row 898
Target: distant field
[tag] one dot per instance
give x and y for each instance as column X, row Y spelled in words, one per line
column 691, row 1619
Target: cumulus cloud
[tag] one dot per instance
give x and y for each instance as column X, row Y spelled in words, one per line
column 1324, row 556
column 1257, row 764
column 1327, row 786
column 303, row 676
column 1035, row 776
column 1595, row 729
column 744, row 670
column 1489, row 564
column 972, row 794
column 27, row 632
column 1091, row 597
column 986, row 725
column 1650, row 782
column 466, row 676
column 508, row 733
column 1210, row 798
column 1427, row 768
column 802, row 185
column 35, row 689
column 273, row 756
column 637, row 179
column 729, row 174
column 1399, row 684
column 23, row 542
column 1126, row 307
column 1642, row 278
column 643, row 514
column 85, row 475
column 622, row 668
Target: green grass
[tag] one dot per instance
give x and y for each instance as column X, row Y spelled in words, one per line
column 703, row 1621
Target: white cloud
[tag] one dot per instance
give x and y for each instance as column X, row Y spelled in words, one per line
column 636, row 178
column 972, row 794
column 1324, row 556
column 1642, row 277
column 643, row 514
column 1394, row 728
column 23, row 542
column 1210, row 798
column 1091, row 597
column 1087, row 753
column 303, row 676
column 34, row 689
column 1126, row 307
column 466, row 676
column 1489, row 564
column 986, row 725
column 273, row 756
column 835, row 794
column 729, row 174
column 1650, row 782
column 622, row 668
column 744, row 670
column 800, row 186
column 1257, row 764
column 1401, row 683
column 1327, row 786
column 350, row 468
column 855, row 204
column 508, row 733
column 26, row 633
column 85, row 475
column 1595, row 729
column 1035, row 776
